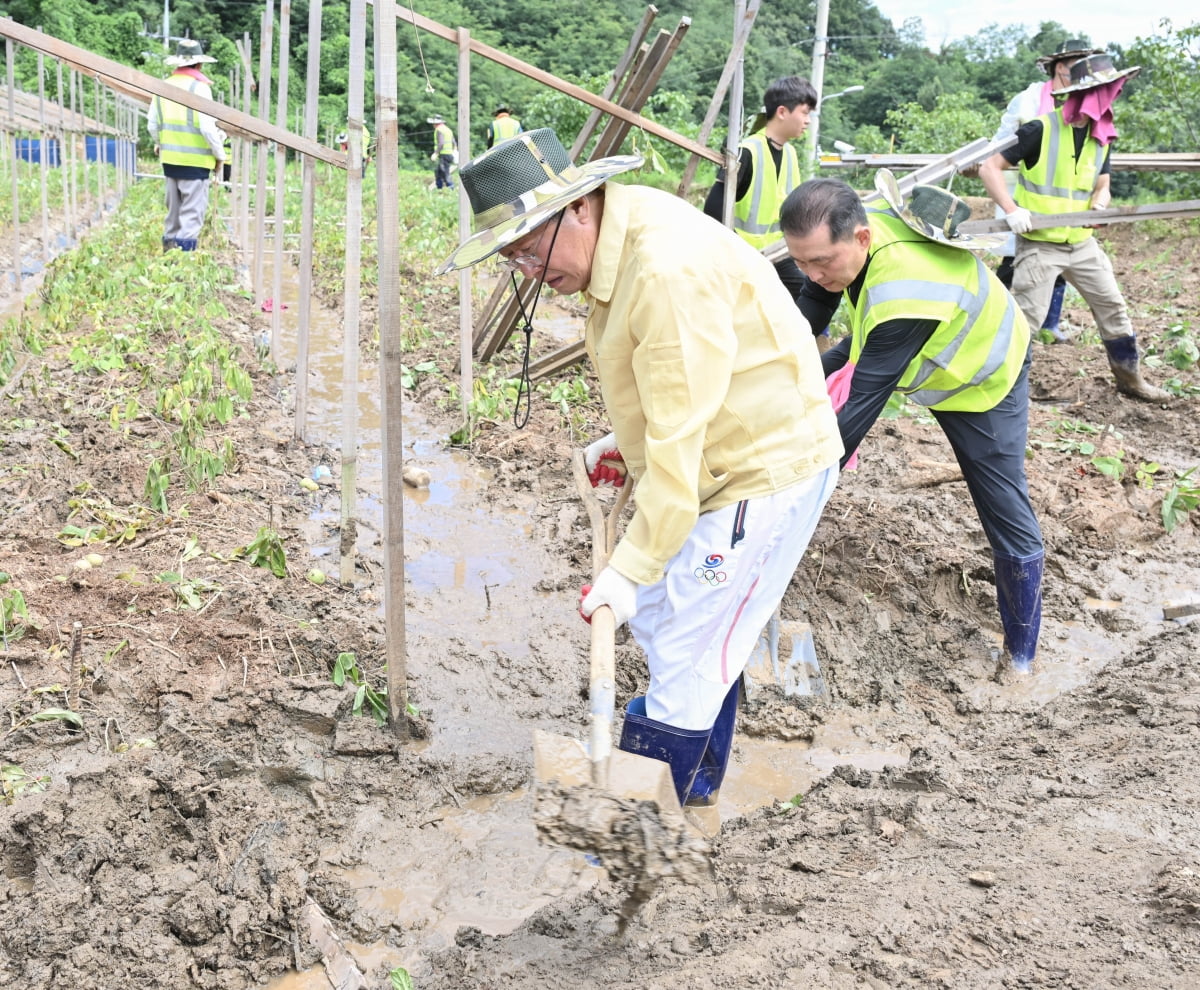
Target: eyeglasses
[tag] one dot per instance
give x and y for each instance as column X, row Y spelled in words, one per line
column 522, row 261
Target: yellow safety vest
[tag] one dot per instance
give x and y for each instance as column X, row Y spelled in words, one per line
column 504, row 128
column 975, row 356
column 756, row 215
column 179, row 139
column 443, row 140
column 1059, row 183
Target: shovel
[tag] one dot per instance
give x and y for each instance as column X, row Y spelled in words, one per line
column 619, row 806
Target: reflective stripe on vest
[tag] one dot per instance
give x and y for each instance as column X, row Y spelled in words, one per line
column 756, row 215
column 179, row 139
column 443, row 139
column 1058, row 183
column 504, row 128
column 976, row 354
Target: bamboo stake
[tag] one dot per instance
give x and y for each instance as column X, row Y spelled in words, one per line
column 247, row 147
column 308, row 170
column 353, row 284
column 466, row 386
column 279, row 240
column 260, row 194
column 388, row 224
column 16, row 211
column 42, row 176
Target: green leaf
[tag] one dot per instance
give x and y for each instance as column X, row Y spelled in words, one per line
column 57, row 715
column 400, row 979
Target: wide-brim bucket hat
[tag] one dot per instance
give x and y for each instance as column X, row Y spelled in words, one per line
column 437, row 118
column 1071, row 48
column 519, row 183
column 502, row 108
column 1096, row 70
column 935, row 213
column 187, row 52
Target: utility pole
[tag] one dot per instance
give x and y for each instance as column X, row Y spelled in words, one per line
column 820, row 47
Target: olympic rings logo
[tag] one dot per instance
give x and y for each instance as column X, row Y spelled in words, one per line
column 709, row 576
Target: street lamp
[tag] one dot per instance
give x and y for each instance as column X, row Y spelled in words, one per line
column 814, row 122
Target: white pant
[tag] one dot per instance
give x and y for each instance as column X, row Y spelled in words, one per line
column 187, row 201
column 699, row 624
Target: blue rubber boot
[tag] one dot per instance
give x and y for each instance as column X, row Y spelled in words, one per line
column 1054, row 314
column 680, row 749
column 707, row 782
column 1123, row 360
column 187, row 243
column 1019, row 598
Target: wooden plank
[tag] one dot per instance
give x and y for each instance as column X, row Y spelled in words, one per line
column 742, row 36
column 144, row 87
column 656, row 64
column 558, row 361
column 1113, row 214
column 1121, row 162
column 623, row 64
column 570, row 89
column 1181, row 611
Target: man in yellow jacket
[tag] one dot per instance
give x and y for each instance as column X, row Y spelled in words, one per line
column 713, row 386
column 190, row 146
column 930, row 320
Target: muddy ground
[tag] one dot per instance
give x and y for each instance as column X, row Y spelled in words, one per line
column 1043, row 833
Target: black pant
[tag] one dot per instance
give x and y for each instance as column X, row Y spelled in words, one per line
column 990, row 449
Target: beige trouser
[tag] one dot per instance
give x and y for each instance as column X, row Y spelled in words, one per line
column 1085, row 266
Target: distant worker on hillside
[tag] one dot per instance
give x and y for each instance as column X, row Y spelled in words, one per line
column 503, row 126
column 931, row 321
column 768, row 169
column 1033, row 101
column 343, row 142
column 445, row 151
column 1064, row 162
column 718, row 409
column 190, row 146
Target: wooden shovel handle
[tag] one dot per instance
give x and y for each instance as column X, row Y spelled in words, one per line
column 602, row 685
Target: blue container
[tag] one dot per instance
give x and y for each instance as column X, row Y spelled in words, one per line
column 98, row 149
column 30, row 150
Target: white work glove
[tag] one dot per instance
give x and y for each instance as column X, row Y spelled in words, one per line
column 604, row 463
column 433, row 157
column 1020, row 221
column 611, row 588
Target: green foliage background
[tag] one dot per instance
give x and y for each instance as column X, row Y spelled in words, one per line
column 915, row 98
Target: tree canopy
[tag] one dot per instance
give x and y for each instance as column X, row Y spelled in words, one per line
column 914, row 98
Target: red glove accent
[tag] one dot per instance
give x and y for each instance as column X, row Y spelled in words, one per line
column 605, row 473
column 583, row 593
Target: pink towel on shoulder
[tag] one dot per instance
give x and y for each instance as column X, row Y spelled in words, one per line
column 1095, row 105
column 838, row 387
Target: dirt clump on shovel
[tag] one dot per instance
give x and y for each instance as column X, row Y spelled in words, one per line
column 634, row 840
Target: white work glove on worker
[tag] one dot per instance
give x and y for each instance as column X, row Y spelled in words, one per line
column 1020, row 221
column 611, row 588
column 604, row 463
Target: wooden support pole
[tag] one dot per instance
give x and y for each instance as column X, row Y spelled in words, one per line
column 466, row 378
column 308, row 197
column 388, row 226
column 279, row 233
column 260, row 192
column 352, row 286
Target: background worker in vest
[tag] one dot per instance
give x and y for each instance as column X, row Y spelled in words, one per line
column 503, row 126
column 343, row 143
column 1064, row 162
column 1036, row 99
column 445, row 151
column 189, row 145
column 768, row 170
column 930, row 320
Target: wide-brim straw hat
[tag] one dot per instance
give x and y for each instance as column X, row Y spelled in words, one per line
column 187, row 52
column 1096, row 70
column 519, row 183
column 935, row 213
column 1071, row 48
column 437, row 118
